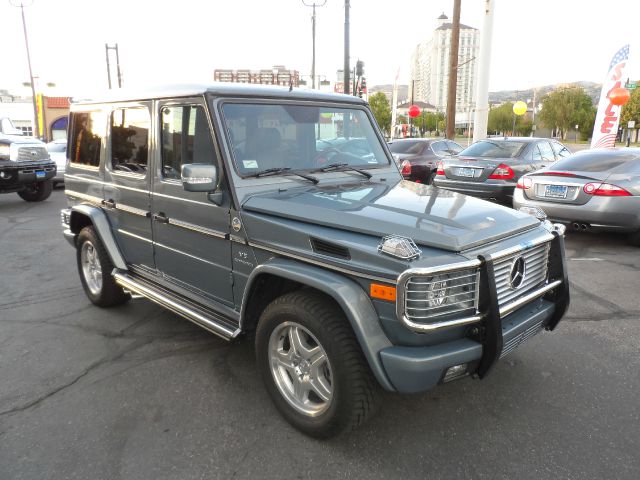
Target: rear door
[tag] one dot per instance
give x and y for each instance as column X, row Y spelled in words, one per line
column 542, row 155
column 191, row 233
column 127, row 182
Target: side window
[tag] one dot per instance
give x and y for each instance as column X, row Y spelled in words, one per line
column 546, row 152
column 536, row 156
column 87, row 132
column 130, row 140
column 185, row 139
column 561, row 150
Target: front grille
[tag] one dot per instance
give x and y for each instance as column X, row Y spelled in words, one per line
column 433, row 297
column 519, row 339
column 536, row 265
column 32, row 154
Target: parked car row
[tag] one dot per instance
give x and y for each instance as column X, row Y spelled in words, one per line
column 595, row 190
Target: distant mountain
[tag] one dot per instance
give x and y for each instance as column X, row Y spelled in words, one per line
column 403, row 91
column 592, row 89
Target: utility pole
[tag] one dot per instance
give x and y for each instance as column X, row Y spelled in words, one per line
column 115, row 48
column 36, row 126
column 313, row 34
column 346, row 71
column 481, row 116
column 453, row 71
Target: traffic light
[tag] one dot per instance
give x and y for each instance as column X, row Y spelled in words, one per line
column 363, row 87
column 359, row 68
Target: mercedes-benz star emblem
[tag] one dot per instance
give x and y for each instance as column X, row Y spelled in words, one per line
column 517, row 273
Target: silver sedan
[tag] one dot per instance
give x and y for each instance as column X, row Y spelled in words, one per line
column 591, row 190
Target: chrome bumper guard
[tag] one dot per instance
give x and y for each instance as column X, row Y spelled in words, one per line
column 489, row 312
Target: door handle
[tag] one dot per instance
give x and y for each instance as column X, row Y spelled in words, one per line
column 160, row 217
column 109, row 203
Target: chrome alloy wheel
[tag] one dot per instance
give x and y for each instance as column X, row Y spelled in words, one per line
column 301, row 369
column 91, row 268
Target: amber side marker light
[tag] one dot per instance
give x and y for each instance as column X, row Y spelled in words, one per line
column 383, row 292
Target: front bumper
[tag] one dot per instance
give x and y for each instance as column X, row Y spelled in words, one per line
column 17, row 177
column 416, row 369
column 499, row 191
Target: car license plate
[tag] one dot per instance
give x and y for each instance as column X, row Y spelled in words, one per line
column 40, row 174
column 555, row 191
column 467, row 172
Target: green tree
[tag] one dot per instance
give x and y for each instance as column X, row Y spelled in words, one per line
column 501, row 118
column 566, row 107
column 631, row 111
column 381, row 110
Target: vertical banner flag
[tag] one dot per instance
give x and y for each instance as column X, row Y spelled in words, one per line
column 608, row 116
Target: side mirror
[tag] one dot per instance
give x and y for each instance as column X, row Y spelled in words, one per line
column 199, row 177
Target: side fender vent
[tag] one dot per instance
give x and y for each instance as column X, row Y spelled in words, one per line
column 328, row 248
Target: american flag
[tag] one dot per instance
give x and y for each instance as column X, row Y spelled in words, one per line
column 622, row 55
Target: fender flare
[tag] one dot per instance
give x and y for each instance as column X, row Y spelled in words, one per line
column 103, row 228
column 351, row 298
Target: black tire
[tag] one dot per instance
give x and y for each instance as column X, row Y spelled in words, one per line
column 37, row 192
column 634, row 239
column 355, row 392
column 108, row 293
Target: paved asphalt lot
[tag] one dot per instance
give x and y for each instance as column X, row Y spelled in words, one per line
column 136, row 392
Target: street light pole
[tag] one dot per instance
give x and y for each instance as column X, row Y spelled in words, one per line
column 313, row 35
column 453, row 71
column 346, row 47
column 36, row 127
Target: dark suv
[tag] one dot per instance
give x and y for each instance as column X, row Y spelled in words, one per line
column 239, row 208
column 25, row 165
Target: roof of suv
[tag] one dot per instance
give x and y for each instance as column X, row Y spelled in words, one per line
column 219, row 89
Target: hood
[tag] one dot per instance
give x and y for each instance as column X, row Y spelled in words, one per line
column 430, row 216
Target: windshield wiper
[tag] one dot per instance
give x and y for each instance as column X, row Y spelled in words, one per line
column 282, row 171
column 343, row 166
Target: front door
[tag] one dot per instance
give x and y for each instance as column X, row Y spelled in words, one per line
column 191, row 234
column 127, row 199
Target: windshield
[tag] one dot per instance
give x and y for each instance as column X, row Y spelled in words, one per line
column 298, row 137
column 493, row 149
column 410, row 146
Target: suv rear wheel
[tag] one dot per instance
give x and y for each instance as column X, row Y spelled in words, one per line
column 37, row 192
column 95, row 267
column 312, row 365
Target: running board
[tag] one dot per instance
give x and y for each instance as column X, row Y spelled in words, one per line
column 201, row 316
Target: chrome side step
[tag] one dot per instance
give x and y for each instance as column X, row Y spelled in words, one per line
column 202, row 317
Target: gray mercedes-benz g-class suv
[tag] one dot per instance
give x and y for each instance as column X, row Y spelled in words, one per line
column 25, row 165
column 280, row 213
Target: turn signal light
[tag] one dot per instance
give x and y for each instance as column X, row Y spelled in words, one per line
column 440, row 170
column 524, row 183
column 406, row 168
column 502, row 172
column 605, row 190
column 383, row 292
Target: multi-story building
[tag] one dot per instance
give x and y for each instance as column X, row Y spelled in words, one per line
column 430, row 67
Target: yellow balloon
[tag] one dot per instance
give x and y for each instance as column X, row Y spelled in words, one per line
column 519, row 108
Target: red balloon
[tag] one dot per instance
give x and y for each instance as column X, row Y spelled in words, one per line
column 414, row 111
column 619, row 96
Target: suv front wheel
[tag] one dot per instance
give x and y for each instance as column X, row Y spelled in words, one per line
column 312, row 365
column 95, row 267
